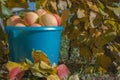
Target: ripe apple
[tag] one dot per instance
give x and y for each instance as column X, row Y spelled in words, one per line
column 58, row 19
column 20, row 24
column 30, row 18
column 35, row 25
column 40, row 12
column 13, row 20
column 48, row 20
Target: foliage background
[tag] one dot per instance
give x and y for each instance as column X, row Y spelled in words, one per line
column 91, row 32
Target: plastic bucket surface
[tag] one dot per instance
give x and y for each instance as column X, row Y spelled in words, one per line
column 23, row 40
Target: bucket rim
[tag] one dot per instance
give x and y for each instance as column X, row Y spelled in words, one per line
column 34, row 28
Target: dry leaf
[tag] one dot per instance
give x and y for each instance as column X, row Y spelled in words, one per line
column 53, row 77
column 63, row 71
column 74, row 77
column 40, row 56
column 64, row 17
column 11, row 65
column 92, row 18
column 62, row 5
column 54, row 5
column 43, row 2
column 17, row 3
column 42, row 69
column 92, row 6
column 76, row 22
column 80, row 13
column 15, row 74
column 69, row 3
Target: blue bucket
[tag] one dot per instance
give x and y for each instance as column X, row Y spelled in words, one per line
column 23, row 40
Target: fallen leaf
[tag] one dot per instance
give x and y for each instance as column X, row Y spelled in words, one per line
column 92, row 18
column 15, row 74
column 17, row 3
column 40, row 56
column 54, row 5
column 42, row 69
column 62, row 5
column 69, row 3
column 74, row 77
column 63, row 71
column 92, row 6
column 116, row 10
column 65, row 16
column 53, row 77
column 11, row 65
column 80, row 13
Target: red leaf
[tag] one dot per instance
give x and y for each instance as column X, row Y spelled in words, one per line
column 63, row 71
column 15, row 73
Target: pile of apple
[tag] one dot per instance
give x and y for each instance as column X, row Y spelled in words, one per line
column 38, row 18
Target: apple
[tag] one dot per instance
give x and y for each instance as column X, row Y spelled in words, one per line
column 58, row 19
column 48, row 20
column 20, row 24
column 40, row 12
column 30, row 18
column 13, row 20
column 35, row 25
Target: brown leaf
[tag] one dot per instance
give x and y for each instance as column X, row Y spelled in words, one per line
column 80, row 13
column 17, row 3
column 23, row 66
column 62, row 5
column 53, row 77
column 92, row 18
column 40, row 56
column 92, row 6
column 69, row 3
column 64, row 17
column 43, row 2
column 76, row 22
column 53, row 4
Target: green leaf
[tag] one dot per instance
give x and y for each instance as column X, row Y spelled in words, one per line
column 114, row 25
column 110, row 35
column 2, row 1
column 101, row 5
column 116, row 10
column 28, row 61
column 5, row 11
column 103, row 13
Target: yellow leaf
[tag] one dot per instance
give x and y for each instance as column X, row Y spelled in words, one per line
column 76, row 22
column 17, row 3
column 104, row 61
column 62, row 5
column 54, row 5
column 43, row 2
column 89, row 69
column 81, row 13
column 41, row 68
column 102, row 70
column 85, row 52
column 40, row 56
column 64, row 17
column 92, row 6
column 92, row 18
column 53, row 77
column 23, row 66
column 44, row 65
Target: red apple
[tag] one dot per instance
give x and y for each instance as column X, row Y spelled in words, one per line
column 30, row 18
column 20, row 24
column 48, row 20
column 13, row 20
column 40, row 12
column 35, row 25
